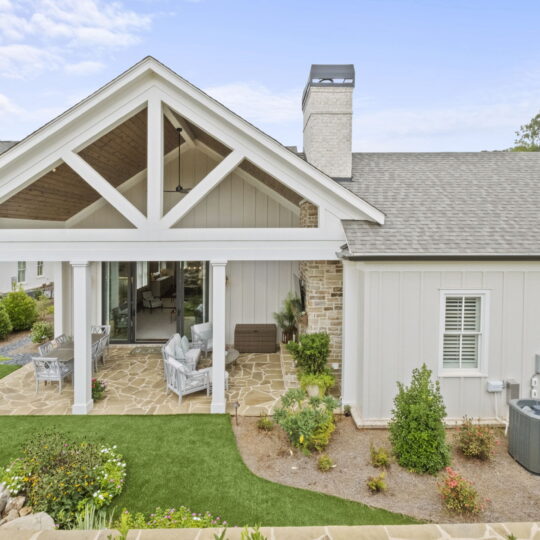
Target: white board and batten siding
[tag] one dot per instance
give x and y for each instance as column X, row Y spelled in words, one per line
column 403, row 330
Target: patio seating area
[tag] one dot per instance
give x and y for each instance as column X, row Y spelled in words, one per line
column 135, row 385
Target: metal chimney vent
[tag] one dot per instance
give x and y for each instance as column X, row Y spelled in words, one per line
column 329, row 75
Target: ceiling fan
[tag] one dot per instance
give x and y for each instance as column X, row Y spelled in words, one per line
column 179, row 188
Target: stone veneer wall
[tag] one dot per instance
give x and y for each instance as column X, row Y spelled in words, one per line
column 323, row 283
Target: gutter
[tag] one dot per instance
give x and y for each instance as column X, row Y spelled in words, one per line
column 436, row 257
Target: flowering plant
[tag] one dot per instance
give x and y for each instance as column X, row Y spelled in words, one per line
column 98, row 389
column 171, row 518
column 61, row 476
column 476, row 440
column 458, row 494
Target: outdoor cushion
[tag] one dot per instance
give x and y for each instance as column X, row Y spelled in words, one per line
column 178, row 365
column 184, row 342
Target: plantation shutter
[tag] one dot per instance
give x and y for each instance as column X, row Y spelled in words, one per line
column 462, row 335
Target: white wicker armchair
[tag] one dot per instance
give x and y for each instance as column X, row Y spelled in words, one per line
column 51, row 370
column 182, row 382
column 201, row 335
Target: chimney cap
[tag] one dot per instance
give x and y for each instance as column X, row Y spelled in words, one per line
column 329, row 75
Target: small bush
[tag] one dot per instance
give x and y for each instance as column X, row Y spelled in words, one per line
column 265, row 424
column 347, row 410
column 171, row 518
column 459, row 496
column 5, row 323
column 417, row 430
column 377, row 484
column 44, row 307
column 42, row 331
column 308, row 422
column 311, row 353
column 324, row 381
column 324, row 463
column 61, row 476
column 98, row 389
column 21, row 309
column 379, row 457
column 475, row 440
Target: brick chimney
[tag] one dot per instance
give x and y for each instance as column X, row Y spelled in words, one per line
column 327, row 107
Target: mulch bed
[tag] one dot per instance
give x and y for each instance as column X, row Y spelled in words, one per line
column 513, row 493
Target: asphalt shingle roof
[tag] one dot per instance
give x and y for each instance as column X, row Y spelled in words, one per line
column 447, row 204
column 6, row 145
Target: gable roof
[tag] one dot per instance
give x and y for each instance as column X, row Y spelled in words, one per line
column 149, row 66
column 447, row 205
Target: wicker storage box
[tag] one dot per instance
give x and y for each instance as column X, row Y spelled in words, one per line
column 255, row 338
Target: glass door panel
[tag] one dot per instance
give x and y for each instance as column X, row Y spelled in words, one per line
column 117, row 299
column 194, row 301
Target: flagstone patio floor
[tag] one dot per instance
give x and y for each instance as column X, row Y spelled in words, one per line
column 135, row 385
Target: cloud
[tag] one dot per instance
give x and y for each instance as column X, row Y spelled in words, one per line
column 35, row 34
column 258, row 103
column 86, row 67
column 7, row 107
column 25, row 61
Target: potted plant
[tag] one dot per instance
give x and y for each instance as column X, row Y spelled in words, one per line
column 317, row 384
column 286, row 319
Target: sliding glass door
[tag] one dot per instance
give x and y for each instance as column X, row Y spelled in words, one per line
column 150, row 301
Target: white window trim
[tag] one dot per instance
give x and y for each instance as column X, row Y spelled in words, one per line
column 23, row 282
column 38, row 274
column 481, row 371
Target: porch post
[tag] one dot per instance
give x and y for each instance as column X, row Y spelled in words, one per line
column 350, row 356
column 58, row 298
column 82, row 376
column 218, row 340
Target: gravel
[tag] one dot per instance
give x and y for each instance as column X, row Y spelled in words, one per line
column 513, row 493
column 18, row 350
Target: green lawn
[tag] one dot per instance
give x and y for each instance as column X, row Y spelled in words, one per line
column 6, row 369
column 193, row 460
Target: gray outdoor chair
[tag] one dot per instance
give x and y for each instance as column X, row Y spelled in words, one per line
column 104, row 329
column 150, row 301
column 62, row 339
column 51, row 370
column 201, row 335
column 182, row 351
column 46, row 348
column 182, row 382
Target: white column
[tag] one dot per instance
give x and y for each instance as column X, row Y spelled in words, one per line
column 155, row 160
column 82, row 377
column 351, row 329
column 218, row 340
column 58, row 298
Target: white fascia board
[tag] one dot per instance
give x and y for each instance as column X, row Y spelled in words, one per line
column 156, row 234
column 251, row 250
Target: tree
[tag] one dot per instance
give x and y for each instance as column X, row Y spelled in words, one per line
column 528, row 137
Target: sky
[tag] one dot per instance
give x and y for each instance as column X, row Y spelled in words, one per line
column 431, row 75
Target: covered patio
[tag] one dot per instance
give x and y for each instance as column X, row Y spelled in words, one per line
column 135, row 385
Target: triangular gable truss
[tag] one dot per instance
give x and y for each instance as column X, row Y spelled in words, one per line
column 166, row 95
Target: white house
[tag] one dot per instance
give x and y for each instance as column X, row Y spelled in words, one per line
column 151, row 185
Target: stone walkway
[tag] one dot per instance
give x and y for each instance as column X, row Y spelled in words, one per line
column 135, row 385
column 495, row 531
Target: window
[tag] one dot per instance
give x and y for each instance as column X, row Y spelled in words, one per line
column 21, row 272
column 39, row 271
column 463, row 329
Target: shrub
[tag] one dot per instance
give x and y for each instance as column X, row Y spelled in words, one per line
column 61, row 476
column 459, row 495
column 265, row 424
column 475, row 440
column 44, row 307
column 324, row 381
column 42, row 331
column 21, row 309
column 98, row 389
column 347, row 410
column 311, row 353
column 308, row 422
column 417, row 429
column 379, row 457
column 5, row 323
column 376, row 484
column 324, row 463
column 287, row 318
column 171, row 518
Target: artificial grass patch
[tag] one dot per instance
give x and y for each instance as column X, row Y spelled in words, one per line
column 193, row 460
column 6, row 369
